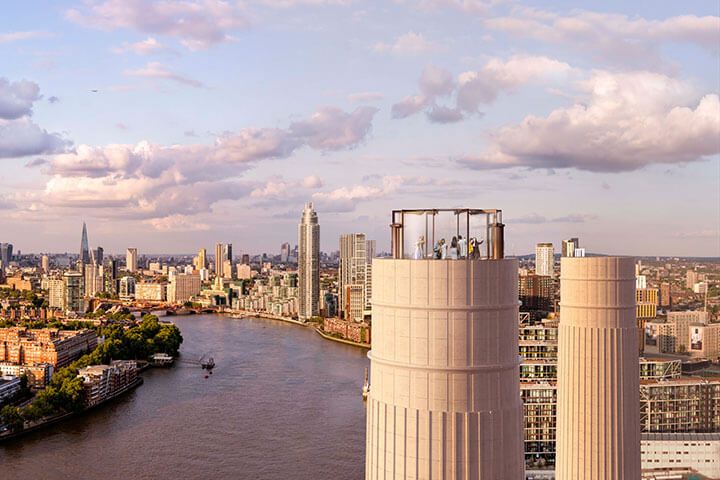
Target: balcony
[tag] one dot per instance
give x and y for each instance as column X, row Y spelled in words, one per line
column 447, row 234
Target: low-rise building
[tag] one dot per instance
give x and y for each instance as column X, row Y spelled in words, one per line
column 699, row 452
column 9, row 387
column 704, row 340
column 348, row 329
column 58, row 348
column 101, row 382
column 38, row 375
column 152, row 292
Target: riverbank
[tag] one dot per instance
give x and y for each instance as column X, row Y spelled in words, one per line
column 239, row 314
column 64, row 416
column 342, row 340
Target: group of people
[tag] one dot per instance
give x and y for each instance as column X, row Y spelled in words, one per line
column 458, row 248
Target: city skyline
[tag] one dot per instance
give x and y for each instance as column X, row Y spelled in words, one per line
column 188, row 129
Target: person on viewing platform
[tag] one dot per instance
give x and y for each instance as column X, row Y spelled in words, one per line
column 443, row 249
column 462, row 246
column 453, row 249
column 419, row 248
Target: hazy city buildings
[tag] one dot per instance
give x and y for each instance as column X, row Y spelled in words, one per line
column 598, row 415
column 544, row 259
column 309, row 264
column 131, row 260
column 444, row 400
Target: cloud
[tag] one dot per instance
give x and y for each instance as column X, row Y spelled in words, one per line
column 17, row 98
column 625, row 122
column 616, row 37
column 534, row 219
column 470, row 6
column 18, row 36
column 149, row 181
column 177, row 223
column 475, row 88
column 53, row 99
column 157, row 70
column 410, row 43
column 312, row 181
column 303, row 3
column 36, row 162
column 148, row 46
column 20, row 138
column 6, row 203
column 333, row 129
column 443, row 114
column 198, row 24
column 365, row 97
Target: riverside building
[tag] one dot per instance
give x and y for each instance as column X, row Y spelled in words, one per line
column 444, row 400
column 353, row 273
column 101, row 382
column 58, row 348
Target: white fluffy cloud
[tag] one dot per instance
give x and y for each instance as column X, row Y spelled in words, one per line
column 613, row 36
column 475, row 88
column 150, row 181
column 17, row 98
column 410, row 43
column 18, row 36
column 623, row 122
column 19, row 136
column 197, row 23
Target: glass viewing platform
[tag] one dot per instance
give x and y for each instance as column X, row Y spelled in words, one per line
column 447, row 234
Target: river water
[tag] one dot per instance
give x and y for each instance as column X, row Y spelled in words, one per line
column 282, row 403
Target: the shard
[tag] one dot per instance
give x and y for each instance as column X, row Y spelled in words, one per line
column 84, row 247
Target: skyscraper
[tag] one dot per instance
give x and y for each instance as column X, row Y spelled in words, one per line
column 219, row 259
column 598, row 405
column 84, row 246
column 309, row 264
column 45, row 263
column 227, row 252
column 6, row 254
column 544, row 259
column 352, row 271
column 569, row 246
column 99, row 255
column 131, row 260
column 73, row 289
column 444, row 400
column 284, row 252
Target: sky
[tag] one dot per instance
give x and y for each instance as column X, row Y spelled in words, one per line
column 172, row 125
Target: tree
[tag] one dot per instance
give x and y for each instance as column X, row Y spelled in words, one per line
column 12, row 417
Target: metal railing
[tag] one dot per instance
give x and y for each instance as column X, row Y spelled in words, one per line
column 447, row 234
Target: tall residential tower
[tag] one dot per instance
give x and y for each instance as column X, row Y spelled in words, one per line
column 353, row 294
column 309, row 264
column 544, row 259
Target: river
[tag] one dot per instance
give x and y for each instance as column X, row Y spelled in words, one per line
column 282, row 403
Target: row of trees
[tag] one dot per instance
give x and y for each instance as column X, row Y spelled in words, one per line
column 65, row 392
